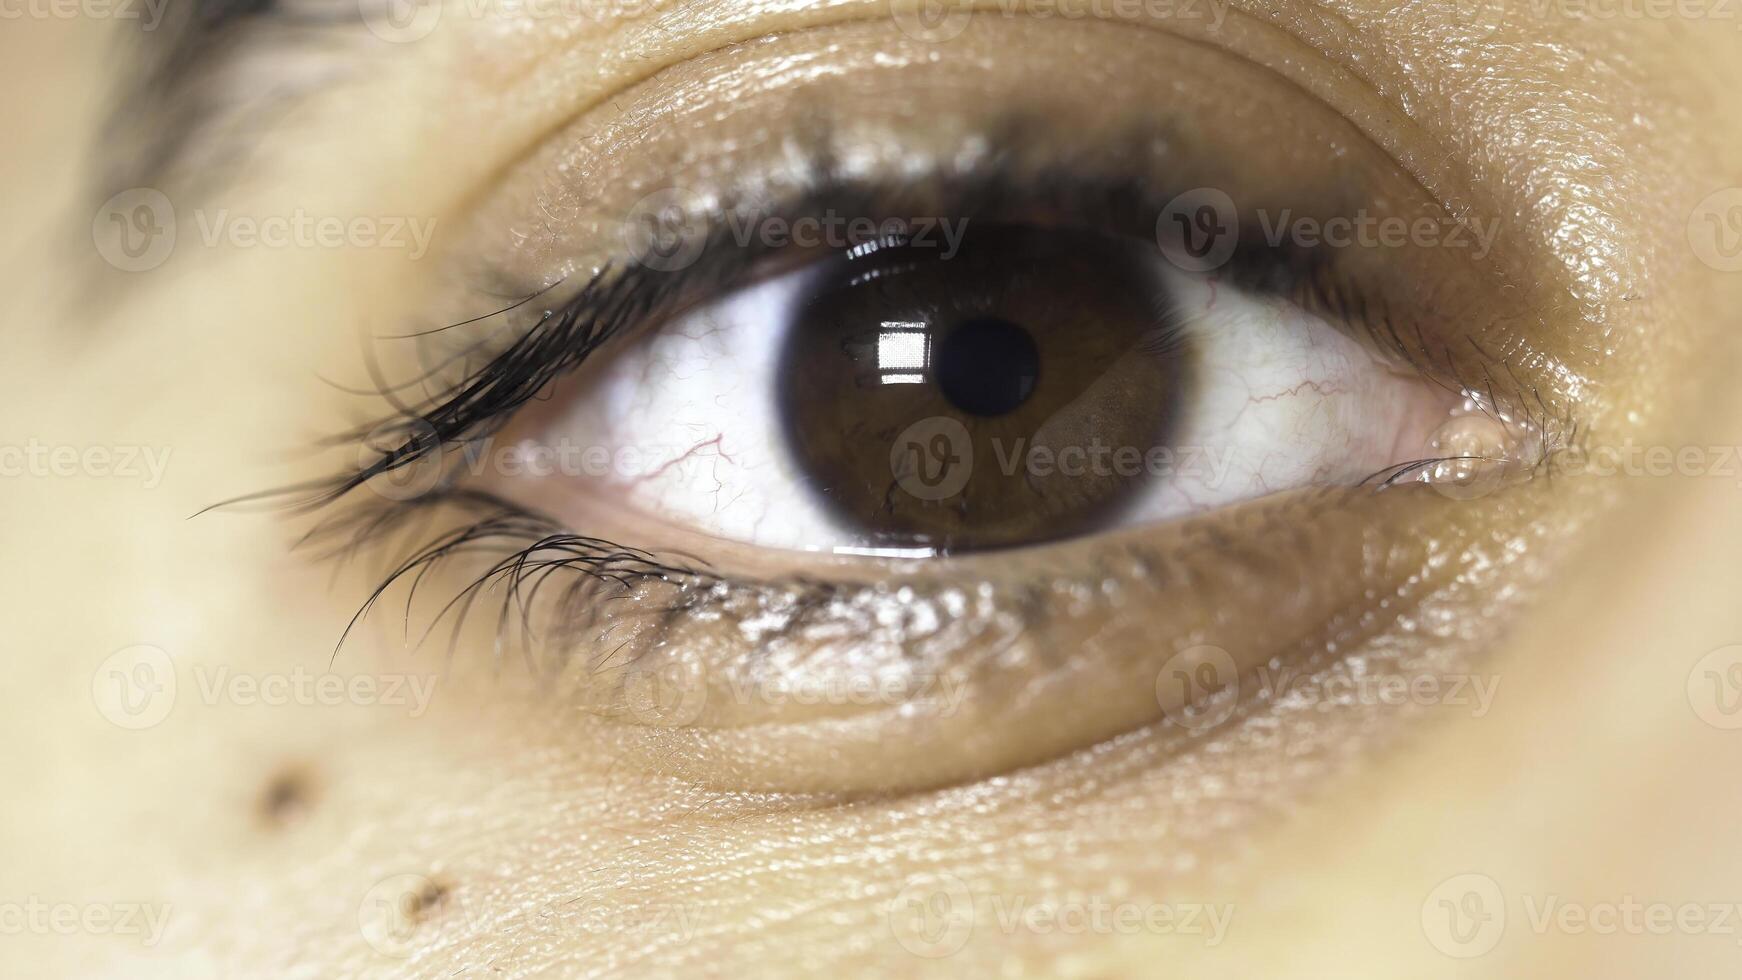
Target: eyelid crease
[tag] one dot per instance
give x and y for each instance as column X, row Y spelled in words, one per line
column 1299, row 60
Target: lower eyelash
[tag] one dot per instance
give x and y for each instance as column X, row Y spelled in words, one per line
column 525, row 551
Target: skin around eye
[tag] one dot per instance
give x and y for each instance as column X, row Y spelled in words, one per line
column 886, row 676
column 1332, row 831
column 689, row 635
column 818, row 410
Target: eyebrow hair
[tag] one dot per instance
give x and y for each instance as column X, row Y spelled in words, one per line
column 183, row 77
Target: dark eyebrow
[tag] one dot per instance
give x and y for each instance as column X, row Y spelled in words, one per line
column 178, row 80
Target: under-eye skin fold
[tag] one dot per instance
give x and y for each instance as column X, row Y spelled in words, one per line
column 1013, row 430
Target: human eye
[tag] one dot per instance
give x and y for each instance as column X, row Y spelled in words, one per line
column 745, row 391
column 912, row 397
column 763, row 487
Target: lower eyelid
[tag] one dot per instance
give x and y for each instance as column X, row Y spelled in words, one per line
column 975, row 667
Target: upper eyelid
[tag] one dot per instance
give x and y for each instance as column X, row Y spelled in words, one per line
column 167, row 99
column 173, row 129
column 1288, row 39
column 629, row 296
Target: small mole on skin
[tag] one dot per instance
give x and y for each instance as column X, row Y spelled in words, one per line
column 424, row 904
column 287, row 798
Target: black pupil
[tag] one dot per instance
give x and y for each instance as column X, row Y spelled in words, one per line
column 986, row 366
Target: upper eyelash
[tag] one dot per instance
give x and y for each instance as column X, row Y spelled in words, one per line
column 620, row 298
column 474, row 406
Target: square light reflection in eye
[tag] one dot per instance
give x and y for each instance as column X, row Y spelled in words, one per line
column 903, row 352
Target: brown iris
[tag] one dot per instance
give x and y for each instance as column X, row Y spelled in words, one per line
column 1009, row 393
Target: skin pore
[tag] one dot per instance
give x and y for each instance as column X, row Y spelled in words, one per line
column 502, row 831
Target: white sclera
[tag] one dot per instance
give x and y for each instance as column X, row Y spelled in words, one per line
column 1279, row 399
